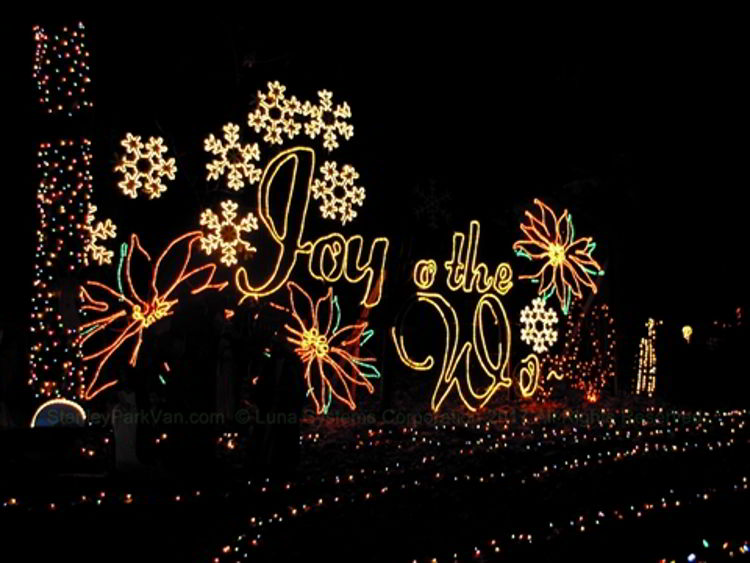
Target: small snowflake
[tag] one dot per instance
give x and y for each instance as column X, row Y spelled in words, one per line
column 538, row 323
column 100, row 231
column 144, row 166
column 338, row 192
column 225, row 232
column 233, row 158
column 432, row 204
column 323, row 118
column 275, row 115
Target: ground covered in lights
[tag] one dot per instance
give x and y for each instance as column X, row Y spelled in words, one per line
column 608, row 483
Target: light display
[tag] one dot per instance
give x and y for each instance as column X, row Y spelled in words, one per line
column 127, row 314
column 338, row 192
column 467, row 388
column 233, row 158
column 530, row 375
column 568, row 263
column 330, row 369
column 61, row 69
column 323, row 119
column 537, row 324
column 275, row 115
column 687, row 332
column 646, row 379
column 330, row 257
column 587, row 359
column 225, row 233
column 424, row 273
column 143, row 167
column 464, row 272
column 54, row 402
column 63, row 198
column 100, row 232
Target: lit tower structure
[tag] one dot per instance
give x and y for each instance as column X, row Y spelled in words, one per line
column 646, row 381
column 62, row 78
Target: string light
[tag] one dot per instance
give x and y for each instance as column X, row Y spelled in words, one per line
column 101, row 231
column 324, row 118
column 646, row 380
column 464, row 272
column 128, row 314
column 424, row 273
column 539, row 337
column 323, row 344
column 276, row 115
column 338, row 192
column 61, row 70
column 496, row 370
column 234, row 159
column 687, row 332
column 346, row 254
column 63, row 197
column 588, row 358
column 568, row 260
column 143, row 166
column 225, row 233
column 53, row 402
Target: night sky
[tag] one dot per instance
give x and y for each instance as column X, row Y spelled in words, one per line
column 637, row 140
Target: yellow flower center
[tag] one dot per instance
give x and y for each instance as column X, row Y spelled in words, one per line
column 313, row 341
column 556, row 254
column 151, row 313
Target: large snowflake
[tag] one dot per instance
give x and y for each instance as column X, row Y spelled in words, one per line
column 338, row 192
column 101, row 231
column 275, row 115
column 143, row 166
column 233, row 158
column 225, row 232
column 326, row 120
column 538, row 324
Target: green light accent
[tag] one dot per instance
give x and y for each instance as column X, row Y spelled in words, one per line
column 373, row 371
column 549, row 293
column 161, row 378
column 338, row 313
column 521, row 252
column 601, row 272
column 705, row 543
column 85, row 332
column 535, row 280
column 267, row 354
column 123, row 253
column 328, row 402
column 571, row 227
column 366, row 335
column 568, row 299
column 590, row 247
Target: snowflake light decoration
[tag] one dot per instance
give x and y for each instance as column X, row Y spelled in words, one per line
column 233, row 158
column 143, row 166
column 225, row 232
column 338, row 192
column 276, row 114
column 432, row 204
column 537, row 328
column 101, row 231
column 329, row 121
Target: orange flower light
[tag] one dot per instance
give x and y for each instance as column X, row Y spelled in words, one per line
column 330, row 370
column 568, row 261
column 126, row 313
